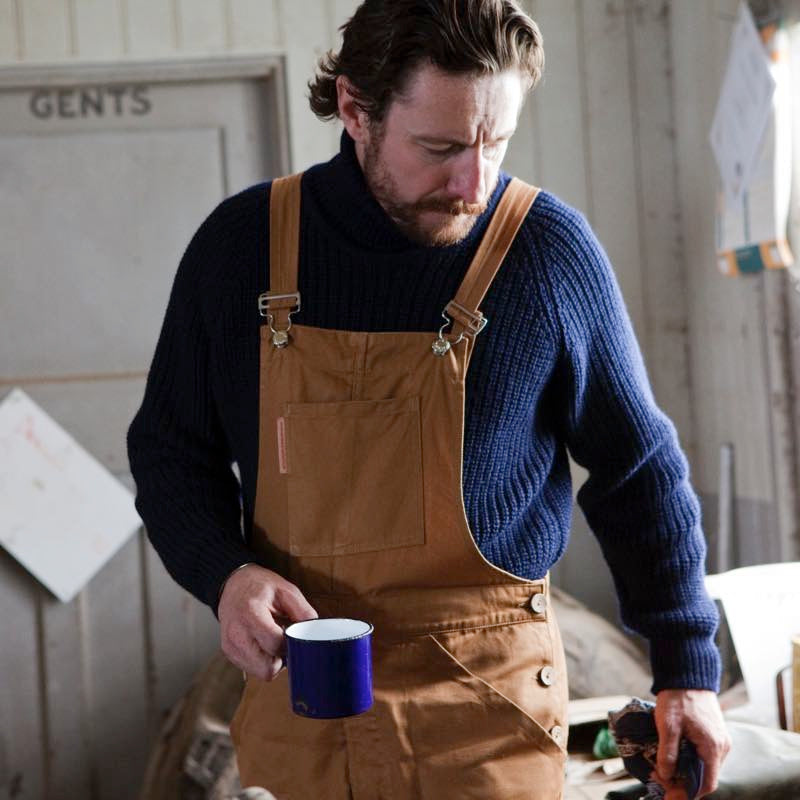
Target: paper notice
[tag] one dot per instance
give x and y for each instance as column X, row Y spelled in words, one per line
column 62, row 513
column 743, row 109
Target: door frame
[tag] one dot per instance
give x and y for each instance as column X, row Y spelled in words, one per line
column 270, row 69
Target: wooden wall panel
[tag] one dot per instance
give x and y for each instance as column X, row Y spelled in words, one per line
column 610, row 166
column 203, row 26
column 8, row 31
column 171, row 639
column 254, row 24
column 117, row 705
column 98, row 29
column 64, row 639
column 22, row 734
column 306, row 26
column 341, row 11
column 46, row 29
column 557, row 105
column 730, row 349
column 658, row 245
column 151, row 27
column 727, row 349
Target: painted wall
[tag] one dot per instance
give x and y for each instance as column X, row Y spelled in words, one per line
column 619, row 129
column 744, row 341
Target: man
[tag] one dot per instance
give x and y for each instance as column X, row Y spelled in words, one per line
column 346, row 414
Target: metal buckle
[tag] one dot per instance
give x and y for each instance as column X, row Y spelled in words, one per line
column 280, row 338
column 477, row 322
column 263, row 302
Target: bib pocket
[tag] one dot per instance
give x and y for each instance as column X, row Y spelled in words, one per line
column 354, row 473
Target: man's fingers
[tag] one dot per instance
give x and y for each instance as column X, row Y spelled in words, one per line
column 712, row 752
column 669, row 737
column 251, row 658
column 293, row 604
column 273, row 667
column 269, row 638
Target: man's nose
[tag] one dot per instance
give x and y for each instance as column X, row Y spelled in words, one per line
column 468, row 181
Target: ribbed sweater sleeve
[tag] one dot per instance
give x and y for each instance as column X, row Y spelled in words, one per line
column 187, row 493
column 637, row 499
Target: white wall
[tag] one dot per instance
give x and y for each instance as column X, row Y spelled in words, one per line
column 744, row 340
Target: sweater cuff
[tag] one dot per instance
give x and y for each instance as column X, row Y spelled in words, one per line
column 686, row 663
column 227, row 560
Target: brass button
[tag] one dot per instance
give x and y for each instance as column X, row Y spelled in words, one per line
column 557, row 732
column 440, row 346
column 546, row 676
column 538, row 603
column 280, row 338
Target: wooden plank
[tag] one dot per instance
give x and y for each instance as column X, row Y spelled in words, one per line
column 151, row 28
column 202, row 25
column 172, row 656
column 783, row 409
column 9, row 46
column 68, row 732
column 98, row 29
column 726, row 325
column 557, row 105
column 306, row 37
column 254, row 24
column 22, row 734
column 341, row 11
column 660, row 249
column 610, row 134
column 117, row 699
column 46, row 30
column 522, row 156
column 794, row 303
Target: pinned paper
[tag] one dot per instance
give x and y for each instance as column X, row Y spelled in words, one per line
column 62, row 513
column 743, row 109
column 752, row 141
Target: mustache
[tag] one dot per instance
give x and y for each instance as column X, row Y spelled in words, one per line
column 455, row 208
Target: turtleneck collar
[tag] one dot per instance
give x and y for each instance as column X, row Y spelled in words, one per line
column 344, row 201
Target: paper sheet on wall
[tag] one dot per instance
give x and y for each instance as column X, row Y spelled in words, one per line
column 62, row 514
column 752, row 141
column 743, row 109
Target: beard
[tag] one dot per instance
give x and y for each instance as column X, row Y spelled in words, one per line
column 460, row 216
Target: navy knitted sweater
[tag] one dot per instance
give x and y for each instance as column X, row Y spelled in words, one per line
column 557, row 369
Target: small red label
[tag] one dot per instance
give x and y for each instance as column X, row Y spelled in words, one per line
column 282, row 465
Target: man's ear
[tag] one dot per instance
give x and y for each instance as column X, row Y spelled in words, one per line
column 354, row 119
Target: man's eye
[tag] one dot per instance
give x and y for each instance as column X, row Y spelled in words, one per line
column 443, row 151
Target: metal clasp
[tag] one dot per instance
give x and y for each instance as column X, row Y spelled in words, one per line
column 280, row 338
column 475, row 324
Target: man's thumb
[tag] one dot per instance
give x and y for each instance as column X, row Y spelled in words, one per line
column 294, row 605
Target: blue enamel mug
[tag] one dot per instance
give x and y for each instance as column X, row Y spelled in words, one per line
column 330, row 667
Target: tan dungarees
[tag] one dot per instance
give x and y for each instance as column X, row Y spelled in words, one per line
column 359, row 502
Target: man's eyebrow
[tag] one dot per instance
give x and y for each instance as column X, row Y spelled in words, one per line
column 433, row 139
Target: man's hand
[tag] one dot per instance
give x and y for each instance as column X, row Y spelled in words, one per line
column 254, row 603
column 695, row 714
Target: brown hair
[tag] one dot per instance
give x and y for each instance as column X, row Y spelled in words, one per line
column 385, row 40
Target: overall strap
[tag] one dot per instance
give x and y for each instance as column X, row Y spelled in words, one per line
column 283, row 299
column 505, row 223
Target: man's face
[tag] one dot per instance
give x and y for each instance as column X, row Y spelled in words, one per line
column 432, row 162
